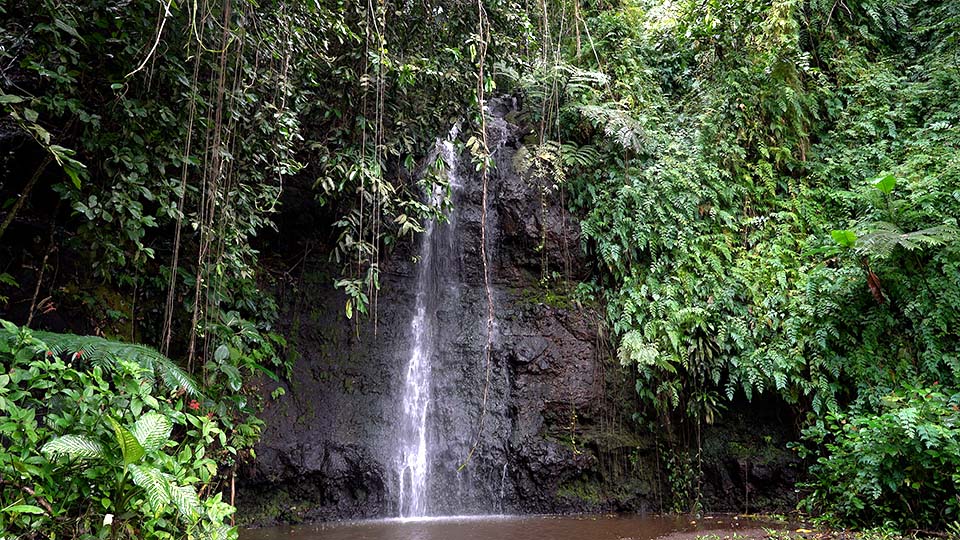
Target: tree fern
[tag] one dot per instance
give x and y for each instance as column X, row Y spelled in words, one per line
column 582, row 79
column 882, row 238
column 619, row 125
column 583, row 156
column 108, row 353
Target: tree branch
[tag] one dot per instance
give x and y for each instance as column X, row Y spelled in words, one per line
column 25, row 195
column 29, row 491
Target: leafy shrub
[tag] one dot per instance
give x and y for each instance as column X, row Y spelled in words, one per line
column 900, row 467
column 86, row 443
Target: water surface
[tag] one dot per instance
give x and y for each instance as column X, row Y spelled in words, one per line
column 500, row 528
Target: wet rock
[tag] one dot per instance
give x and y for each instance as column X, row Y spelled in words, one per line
column 542, row 425
column 746, row 463
column 330, row 445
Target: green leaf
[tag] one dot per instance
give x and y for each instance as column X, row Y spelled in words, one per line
column 31, row 115
column 73, row 174
column 185, row 499
column 23, row 509
column 233, row 376
column 844, row 238
column 40, row 133
column 10, row 98
column 66, row 27
column 222, row 353
column 73, row 447
column 154, row 484
column 130, row 447
column 885, row 183
column 152, row 430
column 11, row 328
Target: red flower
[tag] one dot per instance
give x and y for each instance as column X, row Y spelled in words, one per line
column 194, row 405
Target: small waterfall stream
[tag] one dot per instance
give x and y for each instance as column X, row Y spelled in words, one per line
column 436, row 251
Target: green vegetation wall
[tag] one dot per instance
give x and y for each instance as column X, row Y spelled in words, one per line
column 161, row 138
column 769, row 191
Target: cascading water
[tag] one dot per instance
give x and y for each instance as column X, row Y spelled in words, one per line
column 416, row 399
column 436, row 249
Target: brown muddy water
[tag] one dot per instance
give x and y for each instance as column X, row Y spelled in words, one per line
column 503, row 528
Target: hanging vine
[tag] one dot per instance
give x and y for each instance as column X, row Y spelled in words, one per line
column 482, row 39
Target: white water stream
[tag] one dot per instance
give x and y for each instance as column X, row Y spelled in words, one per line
column 414, row 448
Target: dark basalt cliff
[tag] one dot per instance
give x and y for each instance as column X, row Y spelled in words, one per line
column 554, row 433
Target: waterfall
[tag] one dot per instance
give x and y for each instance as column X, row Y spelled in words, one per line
column 436, row 249
column 503, row 486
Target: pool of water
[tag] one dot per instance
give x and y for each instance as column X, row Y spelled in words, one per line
column 501, row 528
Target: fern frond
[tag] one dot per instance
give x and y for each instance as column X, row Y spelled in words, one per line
column 584, row 77
column 884, row 237
column 108, row 354
column 584, row 156
column 174, row 377
column 618, row 124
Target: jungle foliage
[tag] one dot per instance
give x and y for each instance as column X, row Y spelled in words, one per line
column 89, row 449
column 768, row 191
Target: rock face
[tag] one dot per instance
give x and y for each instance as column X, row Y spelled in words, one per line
column 551, row 435
column 329, row 449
